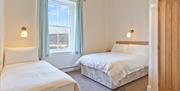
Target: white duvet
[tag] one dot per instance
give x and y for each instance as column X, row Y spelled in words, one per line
column 35, row 76
column 116, row 65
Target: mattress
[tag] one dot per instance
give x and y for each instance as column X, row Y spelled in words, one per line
column 36, row 76
column 104, row 79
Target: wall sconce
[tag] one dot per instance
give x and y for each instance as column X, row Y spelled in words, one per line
column 130, row 33
column 24, row 33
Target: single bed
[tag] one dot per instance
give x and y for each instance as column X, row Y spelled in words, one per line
column 33, row 75
column 36, row 76
column 127, row 62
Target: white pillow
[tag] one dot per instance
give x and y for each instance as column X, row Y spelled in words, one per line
column 120, row 48
column 19, row 55
column 142, row 50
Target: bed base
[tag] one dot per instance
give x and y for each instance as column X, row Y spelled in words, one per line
column 105, row 80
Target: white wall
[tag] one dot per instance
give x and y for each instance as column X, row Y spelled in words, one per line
column 127, row 13
column 20, row 13
column 63, row 60
column 95, row 25
column 1, row 31
column 23, row 13
column 153, row 63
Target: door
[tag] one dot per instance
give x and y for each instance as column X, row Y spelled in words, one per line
column 169, row 45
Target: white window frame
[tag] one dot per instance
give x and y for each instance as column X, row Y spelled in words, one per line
column 72, row 27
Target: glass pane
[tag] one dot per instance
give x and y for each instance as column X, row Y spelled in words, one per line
column 59, row 37
column 52, row 41
column 63, row 40
column 59, row 14
column 53, row 13
column 58, row 41
column 64, row 15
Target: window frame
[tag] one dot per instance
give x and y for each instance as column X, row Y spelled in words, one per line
column 72, row 26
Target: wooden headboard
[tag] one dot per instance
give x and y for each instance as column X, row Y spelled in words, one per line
column 133, row 42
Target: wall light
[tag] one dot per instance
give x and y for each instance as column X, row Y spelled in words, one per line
column 130, row 33
column 24, row 33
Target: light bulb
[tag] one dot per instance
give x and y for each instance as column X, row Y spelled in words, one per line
column 129, row 35
column 24, row 34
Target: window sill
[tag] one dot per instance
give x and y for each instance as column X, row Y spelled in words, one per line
column 62, row 52
column 67, row 50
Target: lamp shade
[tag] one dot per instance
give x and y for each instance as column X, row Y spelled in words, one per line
column 130, row 33
column 24, row 33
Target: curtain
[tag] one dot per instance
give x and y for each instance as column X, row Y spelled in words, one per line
column 79, row 44
column 43, row 29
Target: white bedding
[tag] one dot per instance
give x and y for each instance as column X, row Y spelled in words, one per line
column 116, row 65
column 36, row 76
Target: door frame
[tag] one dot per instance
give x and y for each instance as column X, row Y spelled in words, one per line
column 153, row 40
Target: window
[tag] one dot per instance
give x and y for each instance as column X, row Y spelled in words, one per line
column 62, row 19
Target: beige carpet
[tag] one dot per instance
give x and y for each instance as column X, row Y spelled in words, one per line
column 87, row 84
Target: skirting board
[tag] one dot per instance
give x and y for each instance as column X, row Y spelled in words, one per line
column 148, row 88
column 70, row 69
